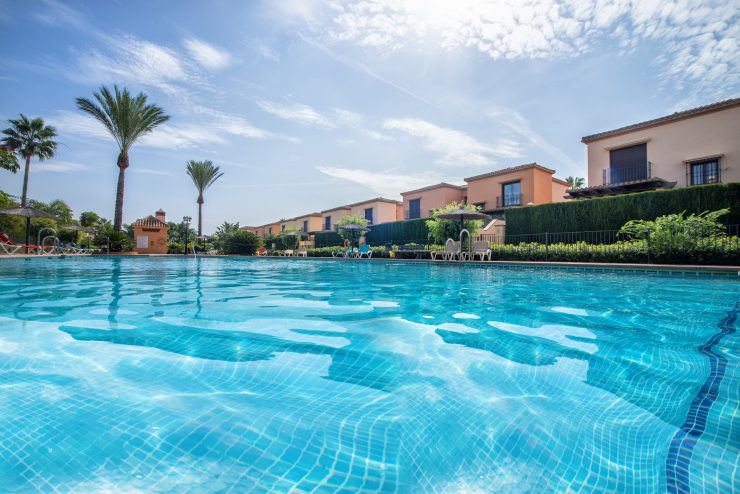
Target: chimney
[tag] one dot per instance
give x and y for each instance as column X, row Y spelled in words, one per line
column 160, row 216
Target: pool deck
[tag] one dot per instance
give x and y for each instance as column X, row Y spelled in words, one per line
column 591, row 266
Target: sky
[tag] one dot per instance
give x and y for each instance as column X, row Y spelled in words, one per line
column 307, row 105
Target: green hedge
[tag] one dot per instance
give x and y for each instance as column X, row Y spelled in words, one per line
column 328, row 239
column 611, row 213
column 398, row 232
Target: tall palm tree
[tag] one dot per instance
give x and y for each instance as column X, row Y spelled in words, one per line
column 203, row 173
column 575, row 182
column 29, row 139
column 127, row 118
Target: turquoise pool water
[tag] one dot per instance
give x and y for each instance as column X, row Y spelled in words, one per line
column 238, row 375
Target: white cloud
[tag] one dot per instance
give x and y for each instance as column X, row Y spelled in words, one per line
column 150, row 171
column 208, row 55
column 166, row 136
column 455, row 147
column 58, row 167
column 385, row 183
column 356, row 121
column 516, row 122
column 132, row 60
column 296, row 112
column 56, row 13
column 698, row 39
column 266, row 52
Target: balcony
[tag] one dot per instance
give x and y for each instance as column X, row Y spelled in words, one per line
column 508, row 201
column 626, row 174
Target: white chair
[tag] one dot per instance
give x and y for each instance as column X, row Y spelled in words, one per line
column 481, row 250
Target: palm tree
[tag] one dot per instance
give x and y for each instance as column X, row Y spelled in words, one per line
column 575, row 182
column 30, row 138
column 127, row 119
column 203, row 173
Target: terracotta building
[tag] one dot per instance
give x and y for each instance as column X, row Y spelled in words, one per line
column 419, row 203
column 150, row 234
column 515, row 186
column 693, row 147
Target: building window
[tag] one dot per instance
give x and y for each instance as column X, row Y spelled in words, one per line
column 282, row 228
column 327, row 223
column 705, row 172
column 369, row 215
column 628, row 164
column 269, row 231
column 512, row 194
column 414, row 208
column 305, row 226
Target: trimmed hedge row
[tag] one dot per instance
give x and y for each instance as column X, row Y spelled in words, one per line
column 398, row 232
column 611, row 213
column 327, row 239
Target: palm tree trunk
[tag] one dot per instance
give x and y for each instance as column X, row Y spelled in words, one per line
column 24, row 200
column 200, row 216
column 118, row 215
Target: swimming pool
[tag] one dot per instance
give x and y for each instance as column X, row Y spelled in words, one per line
column 266, row 375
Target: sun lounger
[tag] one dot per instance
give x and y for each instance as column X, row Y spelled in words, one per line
column 481, row 250
column 287, row 253
column 364, row 251
column 262, row 251
column 302, row 252
column 10, row 247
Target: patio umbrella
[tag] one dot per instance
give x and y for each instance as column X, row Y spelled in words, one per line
column 353, row 227
column 462, row 214
column 28, row 213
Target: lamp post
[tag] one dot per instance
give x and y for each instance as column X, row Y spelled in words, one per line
column 186, row 220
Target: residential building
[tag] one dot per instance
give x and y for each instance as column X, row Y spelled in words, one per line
column 150, row 234
column 378, row 210
column 251, row 229
column 515, row 186
column 330, row 217
column 419, row 203
column 693, row 147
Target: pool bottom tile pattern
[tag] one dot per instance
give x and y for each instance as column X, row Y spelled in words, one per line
column 221, row 375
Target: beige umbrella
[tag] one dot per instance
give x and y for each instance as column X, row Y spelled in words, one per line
column 28, row 213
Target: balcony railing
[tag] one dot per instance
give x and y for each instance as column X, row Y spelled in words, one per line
column 508, row 200
column 630, row 173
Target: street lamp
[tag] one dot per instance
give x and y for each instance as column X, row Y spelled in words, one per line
column 186, row 220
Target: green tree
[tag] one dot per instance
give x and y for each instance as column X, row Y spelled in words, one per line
column 58, row 208
column 575, row 182
column 127, row 118
column 242, row 243
column 90, row 219
column 440, row 230
column 9, row 161
column 204, row 174
column 350, row 219
column 30, row 139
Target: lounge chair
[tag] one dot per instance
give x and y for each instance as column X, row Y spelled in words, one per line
column 262, row 251
column 11, row 247
column 452, row 250
column 481, row 250
column 302, row 252
column 287, row 253
column 365, row 250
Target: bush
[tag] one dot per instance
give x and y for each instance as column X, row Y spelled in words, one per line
column 242, row 243
column 327, row 239
column 398, row 232
column 120, row 242
column 610, row 213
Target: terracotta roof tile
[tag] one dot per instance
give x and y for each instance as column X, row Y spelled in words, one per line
column 435, row 186
column 508, row 170
column 150, row 222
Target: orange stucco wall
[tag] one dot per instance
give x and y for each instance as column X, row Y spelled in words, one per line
column 432, row 199
column 670, row 144
column 335, row 214
column 537, row 187
column 156, row 240
column 383, row 212
column 559, row 191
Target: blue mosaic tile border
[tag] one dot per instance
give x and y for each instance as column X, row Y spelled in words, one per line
column 683, row 442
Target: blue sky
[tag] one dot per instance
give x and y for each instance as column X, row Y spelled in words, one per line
column 306, row 105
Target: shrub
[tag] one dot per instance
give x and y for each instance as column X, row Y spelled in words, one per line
column 610, row 213
column 327, row 239
column 398, row 232
column 242, row 243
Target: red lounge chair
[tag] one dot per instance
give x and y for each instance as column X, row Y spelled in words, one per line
column 10, row 247
column 261, row 251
